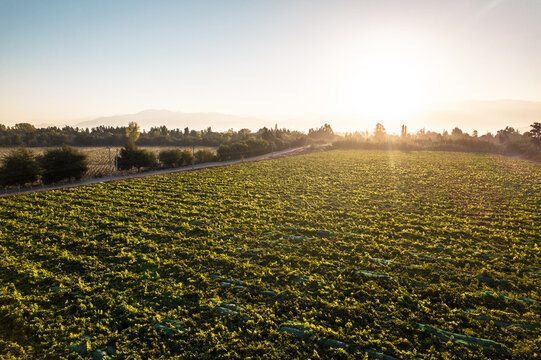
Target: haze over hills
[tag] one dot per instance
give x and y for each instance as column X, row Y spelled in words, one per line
column 468, row 115
column 172, row 120
column 471, row 115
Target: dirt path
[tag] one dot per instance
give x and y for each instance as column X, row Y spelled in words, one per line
column 102, row 180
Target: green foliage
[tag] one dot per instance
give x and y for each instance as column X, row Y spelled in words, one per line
column 535, row 133
column 175, row 158
column 132, row 157
column 323, row 134
column 508, row 141
column 379, row 132
column 65, row 163
column 28, row 135
column 205, row 155
column 19, row 167
column 334, row 255
column 243, row 149
column 132, row 132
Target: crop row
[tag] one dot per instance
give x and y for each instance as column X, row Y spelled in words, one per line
column 343, row 254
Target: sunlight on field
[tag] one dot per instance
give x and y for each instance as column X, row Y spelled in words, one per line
column 341, row 254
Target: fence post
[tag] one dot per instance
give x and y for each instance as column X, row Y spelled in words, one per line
column 110, row 165
column 193, row 157
column 116, row 163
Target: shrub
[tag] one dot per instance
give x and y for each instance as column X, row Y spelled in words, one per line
column 19, row 167
column 205, row 155
column 131, row 157
column 187, row 157
column 223, row 152
column 241, row 149
column 175, row 158
column 61, row 164
column 258, row 147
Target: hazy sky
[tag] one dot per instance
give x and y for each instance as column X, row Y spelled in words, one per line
column 65, row 60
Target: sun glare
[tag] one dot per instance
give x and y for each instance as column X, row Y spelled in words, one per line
column 388, row 81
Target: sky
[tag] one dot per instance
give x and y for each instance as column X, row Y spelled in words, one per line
column 360, row 60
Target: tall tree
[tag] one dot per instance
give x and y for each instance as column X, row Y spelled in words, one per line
column 379, row 131
column 535, row 133
column 133, row 132
column 404, row 131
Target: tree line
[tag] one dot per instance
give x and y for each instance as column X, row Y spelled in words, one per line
column 508, row 141
column 25, row 134
column 22, row 166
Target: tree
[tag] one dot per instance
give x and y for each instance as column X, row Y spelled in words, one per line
column 19, row 167
column 404, row 131
column 504, row 135
column 131, row 156
column 26, row 133
column 204, row 155
column 175, row 157
column 379, row 131
column 535, row 133
column 61, row 164
column 324, row 133
column 456, row 132
column 132, row 132
column 224, row 152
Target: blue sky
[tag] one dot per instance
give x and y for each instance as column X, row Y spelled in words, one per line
column 64, row 60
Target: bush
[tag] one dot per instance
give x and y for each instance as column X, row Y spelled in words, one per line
column 233, row 151
column 258, row 147
column 241, row 149
column 19, row 167
column 187, row 157
column 131, row 157
column 175, row 158
column 205, row 155
column 224, row 152
column 61, row 164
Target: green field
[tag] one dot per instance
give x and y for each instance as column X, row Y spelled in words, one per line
column 341, row 254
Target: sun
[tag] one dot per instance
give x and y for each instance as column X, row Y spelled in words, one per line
column 387, row 82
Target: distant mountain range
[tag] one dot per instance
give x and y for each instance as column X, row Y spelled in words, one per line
column 173, row 120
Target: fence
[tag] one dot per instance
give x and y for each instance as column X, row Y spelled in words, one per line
column 101, row 162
